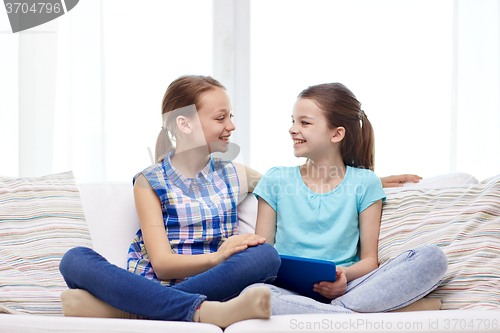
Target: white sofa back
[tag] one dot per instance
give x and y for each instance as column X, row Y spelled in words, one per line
column 111, row 216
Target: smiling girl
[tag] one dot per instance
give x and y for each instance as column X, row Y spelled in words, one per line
column 187, row 255
column 330, row 208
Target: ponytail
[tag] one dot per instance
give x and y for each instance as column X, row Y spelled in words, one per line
column 164, row 145
column 367, row 156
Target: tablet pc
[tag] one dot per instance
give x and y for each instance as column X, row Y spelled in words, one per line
column 300, row 274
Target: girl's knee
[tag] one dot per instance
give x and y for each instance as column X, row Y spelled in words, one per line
column 270, row 250
column 441, row 261
column 270, row 255
column 434, row 257
column 71, row 257
column 266, row 261
column 77, row 252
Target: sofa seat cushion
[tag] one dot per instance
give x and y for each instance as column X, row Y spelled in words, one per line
column 40, row 219
column 46, row 324
column 464, row 221
column 408, row 322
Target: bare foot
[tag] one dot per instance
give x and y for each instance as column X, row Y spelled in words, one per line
column 255, row 303
column 81, row 303
column 423, row 304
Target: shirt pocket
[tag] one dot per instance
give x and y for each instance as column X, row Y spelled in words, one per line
column 184, row 214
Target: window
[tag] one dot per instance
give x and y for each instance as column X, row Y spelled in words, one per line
column 426, row 72
column 144, row 51
column 394, row 55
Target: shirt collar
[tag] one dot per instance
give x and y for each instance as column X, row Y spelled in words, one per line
column 182, row 181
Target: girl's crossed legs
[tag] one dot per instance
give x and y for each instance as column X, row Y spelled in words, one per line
column 398, row 283
column 83, row 268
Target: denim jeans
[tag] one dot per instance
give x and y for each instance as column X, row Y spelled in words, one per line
column 83, row 268
column 401, row 281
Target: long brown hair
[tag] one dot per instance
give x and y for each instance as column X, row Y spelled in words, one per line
column 343, row 109
column 185, row 91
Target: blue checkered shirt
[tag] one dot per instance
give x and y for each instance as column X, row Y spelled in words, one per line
column 198, row 213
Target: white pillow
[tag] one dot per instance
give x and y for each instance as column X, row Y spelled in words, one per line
column 110, row 210
column 247, row 215
column 40, row 219
column 112, row 218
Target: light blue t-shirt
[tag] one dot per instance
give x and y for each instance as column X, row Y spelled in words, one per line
column 319, row 225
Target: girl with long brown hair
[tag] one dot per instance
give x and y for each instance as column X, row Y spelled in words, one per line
column 187, row 256
column 330, row 208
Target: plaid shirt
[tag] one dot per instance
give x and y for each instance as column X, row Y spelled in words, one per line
column 198, row 213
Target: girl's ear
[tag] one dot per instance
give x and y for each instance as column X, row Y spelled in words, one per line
column 183, row 125
column 338, row 134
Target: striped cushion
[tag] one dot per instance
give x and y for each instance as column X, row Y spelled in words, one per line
column 40, row 219
column 465, row 223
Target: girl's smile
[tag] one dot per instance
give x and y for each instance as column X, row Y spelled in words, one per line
column 215, row 117
column 297, row 142
column 310, row 133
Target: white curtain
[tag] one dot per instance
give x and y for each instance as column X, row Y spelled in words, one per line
column 87, row 93
column 427, row 73
column 478, row 88
column 9, row 98
column 52, row 97
column 79, row 142
column 84, row 91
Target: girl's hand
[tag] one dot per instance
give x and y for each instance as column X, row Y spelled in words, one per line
column 335, row 289
column 236, row 244
column 397, row 181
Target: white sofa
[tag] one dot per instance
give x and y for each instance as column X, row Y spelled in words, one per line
column 109, row 213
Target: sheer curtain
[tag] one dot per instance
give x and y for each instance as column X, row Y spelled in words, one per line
column 52, row 105
column 79, row 122
column 144, row 53
column 478, row 87
column 91, row 85
column 9, row 98
column 117, row 72
column 426, row 72
column 83, row 92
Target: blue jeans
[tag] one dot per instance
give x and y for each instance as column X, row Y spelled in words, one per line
column 83, row 268
column 401, row 281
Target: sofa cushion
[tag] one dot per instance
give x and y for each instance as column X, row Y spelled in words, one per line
column 40, row 219
column 112, row 218
column 247, row 215
column 47, row 324
column 465, row 223
column 408, row 322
